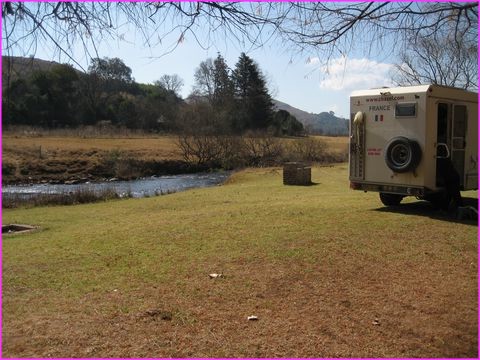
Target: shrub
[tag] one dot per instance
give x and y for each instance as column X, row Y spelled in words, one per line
column 253, row 149
column 262, row 149
column 201, row 149
column 308, row 149
column 8, row 169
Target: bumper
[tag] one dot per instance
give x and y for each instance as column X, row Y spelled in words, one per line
column 391, row 189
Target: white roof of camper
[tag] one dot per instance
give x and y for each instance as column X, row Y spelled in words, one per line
column 443, row 90
column 392, row 90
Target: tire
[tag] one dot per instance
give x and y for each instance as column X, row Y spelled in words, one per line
column 402, row 154
column 390, row 199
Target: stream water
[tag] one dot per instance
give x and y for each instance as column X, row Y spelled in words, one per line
column 135, row 188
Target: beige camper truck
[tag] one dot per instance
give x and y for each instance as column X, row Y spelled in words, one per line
column 400, row 136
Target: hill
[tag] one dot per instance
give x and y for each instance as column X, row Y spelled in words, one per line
column 22, row 67
column 324, row 123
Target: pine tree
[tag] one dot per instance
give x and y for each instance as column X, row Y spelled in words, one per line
column 254, row 103
column 223, row 85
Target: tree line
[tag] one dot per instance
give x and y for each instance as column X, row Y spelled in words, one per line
column 223, row 100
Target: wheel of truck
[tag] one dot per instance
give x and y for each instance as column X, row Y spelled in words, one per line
column 390, row 199
column 402, row 154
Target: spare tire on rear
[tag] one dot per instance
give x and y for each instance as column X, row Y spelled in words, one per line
column 402, row 154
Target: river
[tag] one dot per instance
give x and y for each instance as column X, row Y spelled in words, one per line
column 134, row 188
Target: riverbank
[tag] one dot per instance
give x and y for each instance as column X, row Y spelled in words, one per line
column 99, row 168
column 33, row 159
column 328, row 271
column 69, row 159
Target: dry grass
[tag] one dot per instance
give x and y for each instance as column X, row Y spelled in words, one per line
column 338, row 144
column 145, row 148
column 15, row 147
column 328, row 271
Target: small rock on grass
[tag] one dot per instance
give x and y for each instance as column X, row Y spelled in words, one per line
column 215, row 276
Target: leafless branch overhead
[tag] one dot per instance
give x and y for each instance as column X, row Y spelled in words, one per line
column 318, row 26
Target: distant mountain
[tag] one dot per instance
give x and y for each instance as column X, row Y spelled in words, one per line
column 325, row 123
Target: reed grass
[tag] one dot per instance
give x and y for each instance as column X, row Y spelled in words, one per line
column 78, row 196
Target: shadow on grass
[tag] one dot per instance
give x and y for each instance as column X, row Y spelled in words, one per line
column 304, row 185
column 425, row 208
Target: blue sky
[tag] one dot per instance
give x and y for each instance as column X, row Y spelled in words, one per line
column 299, row 79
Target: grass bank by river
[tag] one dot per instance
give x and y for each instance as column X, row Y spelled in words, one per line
column 328, row 271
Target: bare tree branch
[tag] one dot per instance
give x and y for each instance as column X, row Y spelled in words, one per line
column 321, row 27
column 439, row 60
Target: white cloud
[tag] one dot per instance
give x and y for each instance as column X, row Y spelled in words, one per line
column 355, row 74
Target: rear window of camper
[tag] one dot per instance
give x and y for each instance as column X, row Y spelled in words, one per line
column 405, row 110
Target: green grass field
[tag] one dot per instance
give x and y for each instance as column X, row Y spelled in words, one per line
column 328, row 271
